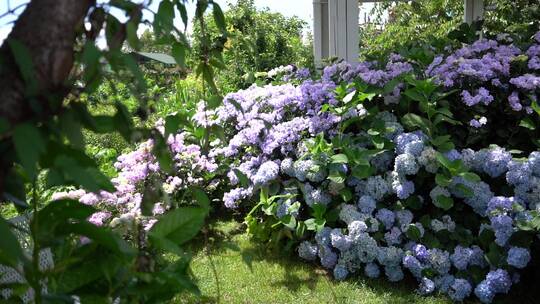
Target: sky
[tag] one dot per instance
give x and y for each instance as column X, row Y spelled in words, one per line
column 300, row 8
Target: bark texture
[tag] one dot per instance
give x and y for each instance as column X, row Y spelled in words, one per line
column 47, row 28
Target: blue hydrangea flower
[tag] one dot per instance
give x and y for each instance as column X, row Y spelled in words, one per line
column 518, row 173
column 323, row 236
column 372, row 270
column 376, row 187
column 461, row 256
column 459, row 290
column 386, row 216
column 349, row 213
column 340, row 273
column 443, row 282
column 426, row 287
column 412, row 143
column 366, row 204
column 287, row 167
column 307, row 251
column 518, row 257
column 393, row 237
column 402, row 187
column 357, row 227
column 421, row 253
column 413, row 265
column 393, row 273
column 404, row 218
column 439, row 260
column 328, row 257
column 503, row 227
column 405, row 164
column 340, row 241
column 484, row 292
column 496, row 161
column 499, row 280
column 453, row 155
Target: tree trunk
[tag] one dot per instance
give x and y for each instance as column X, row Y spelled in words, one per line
column 47, row 29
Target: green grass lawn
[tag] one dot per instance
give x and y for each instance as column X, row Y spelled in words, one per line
column 249, row 273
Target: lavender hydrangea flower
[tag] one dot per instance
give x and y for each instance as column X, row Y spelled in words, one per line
column 267, row 172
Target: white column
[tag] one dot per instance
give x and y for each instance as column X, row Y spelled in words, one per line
column 343, row 29
column 474, row 10
column 320, row 31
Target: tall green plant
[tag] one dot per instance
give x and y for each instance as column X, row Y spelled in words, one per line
column 43, row 147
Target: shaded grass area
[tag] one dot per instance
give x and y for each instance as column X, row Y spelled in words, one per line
column 234, row 269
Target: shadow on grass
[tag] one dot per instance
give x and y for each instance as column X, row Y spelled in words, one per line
column 225, row 235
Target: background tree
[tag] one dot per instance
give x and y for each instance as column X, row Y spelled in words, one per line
column 258, row 40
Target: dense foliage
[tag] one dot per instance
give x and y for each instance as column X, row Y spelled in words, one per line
column 257, row 41
column 403, row 26
column 47, row 159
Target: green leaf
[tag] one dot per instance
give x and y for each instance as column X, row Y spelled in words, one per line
column 180, row 225
column 179, row 53
column 413, row 232
column 362, row 171
column 242, row 178
column 494, row 255
column 10, row 249
column 442, row 180
column 29, row 146
column 466, row 191
column 314, row 224
column 219, row 18
column 89, row 178
column 527, row 123
column 413, row 121
column 471, row 177
column 61, row 211
column 346, row 194
column 339, row 159
column 200, row 196
column 535, row 107
column 444, row 202
column 131, row 33
column 415, row 95
column 23, row 58
column 413, row 202
column 337, row 177
column 101, row 235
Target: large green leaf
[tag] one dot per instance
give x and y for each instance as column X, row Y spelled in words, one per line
column 101, row 235
column 29, row 145
column 180, row 225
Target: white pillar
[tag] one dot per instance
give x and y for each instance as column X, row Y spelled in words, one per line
column 474, row 10
column 343, row 29
column 320, row 31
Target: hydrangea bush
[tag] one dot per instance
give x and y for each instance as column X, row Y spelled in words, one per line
column 380, row 169
column 393, row 169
